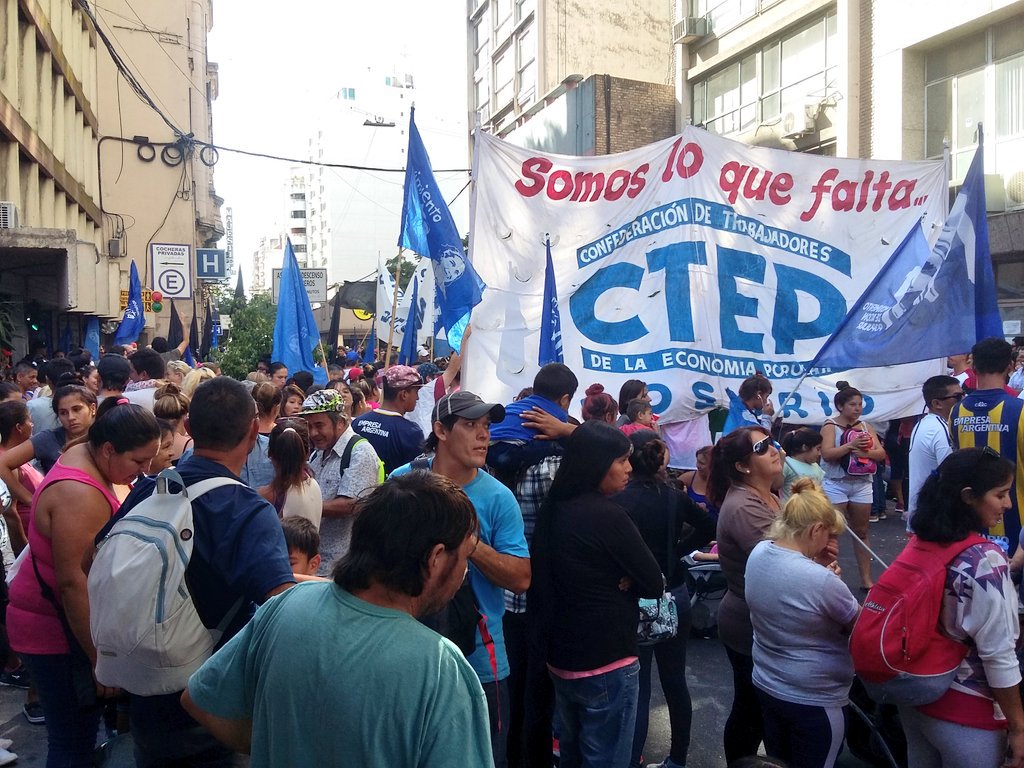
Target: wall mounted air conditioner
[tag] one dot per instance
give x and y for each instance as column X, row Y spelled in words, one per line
column 8, row 215
column 690, row 29
column 799, row 119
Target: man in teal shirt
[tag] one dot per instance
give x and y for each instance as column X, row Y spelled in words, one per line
column 341, row 673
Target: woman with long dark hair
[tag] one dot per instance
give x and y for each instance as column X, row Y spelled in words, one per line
column 590, row 566
column 48, row 615
column 745, row 470
column 979, row 721
column 660, row 511
column 293, row 491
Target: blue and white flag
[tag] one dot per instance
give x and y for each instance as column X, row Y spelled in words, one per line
column 550, row 348
column 295, row 331
column 925, row 304
column 429, row 230
column 134, row 319
column 407, row 353
column 92, row 337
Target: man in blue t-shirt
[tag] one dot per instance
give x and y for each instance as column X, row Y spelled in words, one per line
column 396, row 439
column 459, row 440
column 239, row 559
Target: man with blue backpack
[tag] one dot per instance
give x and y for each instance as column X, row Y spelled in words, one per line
column 230, row 545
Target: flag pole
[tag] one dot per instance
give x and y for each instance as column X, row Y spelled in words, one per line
column 394, row 308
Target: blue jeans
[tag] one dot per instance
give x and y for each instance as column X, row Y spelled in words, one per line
column 70, row 729
column 597, row 716
column 671, row 656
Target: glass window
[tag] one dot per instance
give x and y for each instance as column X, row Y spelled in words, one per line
column 524, row 8
column 1010, row 97
column 770, row 68
column 504, row 75
column 938, row 121
column 970, row 107
column 803, row 54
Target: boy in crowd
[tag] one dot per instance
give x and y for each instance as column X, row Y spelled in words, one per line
column 303, row 542
column 640, row 415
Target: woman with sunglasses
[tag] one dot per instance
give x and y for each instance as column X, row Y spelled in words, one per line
column 930, row 442
column 746, row 470
column 851, row 493
column 979, row 721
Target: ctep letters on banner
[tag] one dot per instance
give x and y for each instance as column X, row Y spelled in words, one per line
column 691, row 264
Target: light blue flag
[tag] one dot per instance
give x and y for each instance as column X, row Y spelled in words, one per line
column 429, row 230
column 92, row 337
column 295, row 331
column 134, row 319
column 925, row 303
column 65, row 337
column 550, row 347
column 407, row 353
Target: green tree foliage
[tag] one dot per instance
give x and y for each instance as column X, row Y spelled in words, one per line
column 405, row 274
column 252, row 335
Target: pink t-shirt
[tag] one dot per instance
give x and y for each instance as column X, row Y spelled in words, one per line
column 32, row 622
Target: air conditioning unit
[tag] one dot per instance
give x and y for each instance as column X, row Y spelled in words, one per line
column 799, row 119
column 690, row 29
column 8, row 215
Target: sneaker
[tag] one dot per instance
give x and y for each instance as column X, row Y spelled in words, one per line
column 33, row 712
column 883, row 516
column 666, row 763
column 873, row 518
column 6, row 758
column 16, row 678
column 6, row 743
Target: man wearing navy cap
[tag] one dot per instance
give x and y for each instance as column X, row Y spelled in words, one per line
column 459, row 439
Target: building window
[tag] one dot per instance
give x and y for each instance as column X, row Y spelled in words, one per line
column 298, row 196
column 481, row 99
column 502, row 19
column 348, row 94
column 526, row 54
column 299, row 247
column 298, row 214
column 979, row 79
column 524, row 8
column 504, row 76
column 782, row 76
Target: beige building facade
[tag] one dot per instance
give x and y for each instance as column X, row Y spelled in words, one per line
column 90, row 175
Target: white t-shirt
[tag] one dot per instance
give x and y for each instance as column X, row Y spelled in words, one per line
column 929, row 445
column 305, row 501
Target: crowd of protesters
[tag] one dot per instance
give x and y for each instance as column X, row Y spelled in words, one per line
column 404, row 574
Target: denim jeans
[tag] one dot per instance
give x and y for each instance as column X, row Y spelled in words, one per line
column 497, row 710
column 70, row 728
column 671, row 656
column 597, row 716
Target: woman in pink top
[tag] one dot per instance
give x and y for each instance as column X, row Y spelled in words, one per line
column 48, row 615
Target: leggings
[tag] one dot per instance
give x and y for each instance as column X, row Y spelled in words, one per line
column 802, row 736
column 744, row 730
column 935, row 743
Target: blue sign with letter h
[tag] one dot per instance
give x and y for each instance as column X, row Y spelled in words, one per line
column 211, row 264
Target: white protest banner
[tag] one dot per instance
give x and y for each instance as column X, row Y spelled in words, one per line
column 385, row 298
column 690, row 264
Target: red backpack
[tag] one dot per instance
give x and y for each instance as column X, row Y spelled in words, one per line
column 898, row 650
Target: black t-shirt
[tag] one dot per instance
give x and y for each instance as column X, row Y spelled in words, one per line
column 396, row 440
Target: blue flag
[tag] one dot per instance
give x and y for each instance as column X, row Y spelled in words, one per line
column 65, row 337
column 134, row 320
column 370, row 352
column 429, row 230
column 550, row 348
column 295, row 331
column 407, row 354
column 92, row 337
column 925, row 304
